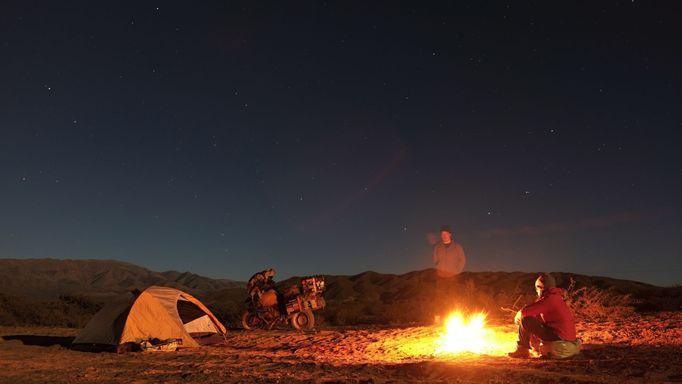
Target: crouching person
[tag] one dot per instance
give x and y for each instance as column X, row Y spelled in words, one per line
column 549, row 319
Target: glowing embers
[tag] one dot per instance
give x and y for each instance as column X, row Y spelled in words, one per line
column 462, row 334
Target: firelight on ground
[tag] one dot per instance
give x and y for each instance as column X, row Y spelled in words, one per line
column 462, row 334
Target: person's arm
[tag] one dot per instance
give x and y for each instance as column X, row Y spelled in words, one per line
column 435, row 255
column 536, row 308
column 460, row 259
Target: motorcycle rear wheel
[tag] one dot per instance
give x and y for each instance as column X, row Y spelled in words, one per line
column 303, row 320
column 252, row 321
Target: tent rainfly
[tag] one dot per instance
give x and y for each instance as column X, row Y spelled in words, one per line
column 156, row 313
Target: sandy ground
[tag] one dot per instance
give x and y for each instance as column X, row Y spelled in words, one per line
column 640, row 349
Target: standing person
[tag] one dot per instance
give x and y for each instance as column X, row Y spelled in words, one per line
column 548, row 319
column 449, row 260
column 448, row 256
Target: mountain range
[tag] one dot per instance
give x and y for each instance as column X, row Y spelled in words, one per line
column 50, row 278
column 69, row 292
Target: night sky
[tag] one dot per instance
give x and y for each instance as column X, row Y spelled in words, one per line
column 337, row 137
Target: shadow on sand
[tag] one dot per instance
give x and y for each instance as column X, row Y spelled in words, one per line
column 43, row 341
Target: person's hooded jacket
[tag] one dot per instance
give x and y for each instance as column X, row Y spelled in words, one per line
column 554, row 311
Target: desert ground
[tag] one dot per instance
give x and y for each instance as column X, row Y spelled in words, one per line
column 637, row 349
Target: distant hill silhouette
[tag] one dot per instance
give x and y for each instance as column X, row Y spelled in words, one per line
column 69, row 292
column 415, row 297
column 50, row 278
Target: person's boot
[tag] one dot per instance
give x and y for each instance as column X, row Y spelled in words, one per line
column 520, row 353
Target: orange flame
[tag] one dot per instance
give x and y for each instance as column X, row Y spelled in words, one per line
column 471, row 334
column 462, row 336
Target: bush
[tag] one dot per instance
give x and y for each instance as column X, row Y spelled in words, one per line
column 592, row 303
column 67, row 311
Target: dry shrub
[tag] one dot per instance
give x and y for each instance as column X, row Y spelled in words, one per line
column 68, row 311
column 343, row 313
column 592, row 303
column 474, row 297
column 228, row 312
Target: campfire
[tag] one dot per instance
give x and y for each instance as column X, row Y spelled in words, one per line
column 463, row 333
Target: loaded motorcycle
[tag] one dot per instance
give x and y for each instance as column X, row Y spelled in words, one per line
column 269, row 308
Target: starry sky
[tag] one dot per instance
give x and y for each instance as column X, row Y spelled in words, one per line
column 337, row 137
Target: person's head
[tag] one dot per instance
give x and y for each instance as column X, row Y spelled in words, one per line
column 269, row 273
column 543, row 283
column 446, row 234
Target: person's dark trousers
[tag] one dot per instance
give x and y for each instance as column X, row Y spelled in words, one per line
column 533, row 326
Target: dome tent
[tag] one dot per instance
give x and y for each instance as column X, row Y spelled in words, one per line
column 155, row 313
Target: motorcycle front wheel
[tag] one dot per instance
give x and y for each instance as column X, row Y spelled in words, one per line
column 303, row 320
column 252, row 321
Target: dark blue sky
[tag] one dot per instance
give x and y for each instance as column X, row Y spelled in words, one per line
column 334, row 137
